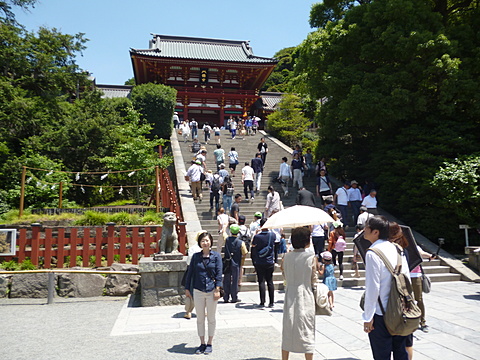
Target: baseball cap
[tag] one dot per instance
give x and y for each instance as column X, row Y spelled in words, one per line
column 234, row 229
column 363, row 208
column 258, row 214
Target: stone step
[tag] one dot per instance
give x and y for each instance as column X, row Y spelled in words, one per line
column 253, row 286
column 247, row 149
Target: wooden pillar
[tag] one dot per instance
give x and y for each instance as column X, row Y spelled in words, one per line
column 185, row 112
column 110, row 242
column 35, row 243
column 22, row 192
column 60, row 196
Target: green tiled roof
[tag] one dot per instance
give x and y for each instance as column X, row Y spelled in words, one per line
column 180, row 47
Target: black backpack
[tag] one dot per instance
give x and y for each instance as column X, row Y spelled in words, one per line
column 245, row 238
column 216, row 185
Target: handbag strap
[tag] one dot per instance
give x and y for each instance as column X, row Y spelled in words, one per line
column 209, row 272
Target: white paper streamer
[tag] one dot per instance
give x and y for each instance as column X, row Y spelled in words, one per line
column 29, row 179
column 50, row 172
column 131, row 174
column 52, row 187
column 103, row 177
column 100, row 190
column 140, row 189
column 83, row 190
column 121, row 190
column 77, row 177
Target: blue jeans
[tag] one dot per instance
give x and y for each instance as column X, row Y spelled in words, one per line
column 227, row 203
column 383, row 344
column 194, row 133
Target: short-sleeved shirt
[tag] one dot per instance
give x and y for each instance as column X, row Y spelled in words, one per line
column 370, row 202
column 194, row 172
column 235, row 208
column 262, row 147
column 232, row 156
column 247, row 173
column 342, row 196
column 219, row 154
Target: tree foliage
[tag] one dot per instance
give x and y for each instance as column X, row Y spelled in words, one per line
column 399, row 83
column 458, row 182
column 156, row 103
column 52, row 118
column 279, row 79
column 288, row 121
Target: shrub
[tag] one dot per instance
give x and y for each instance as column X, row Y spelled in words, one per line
column 121, row 218
column 92, row 218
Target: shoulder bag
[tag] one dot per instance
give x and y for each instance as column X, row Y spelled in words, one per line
column 264, row 252
column 426, row 282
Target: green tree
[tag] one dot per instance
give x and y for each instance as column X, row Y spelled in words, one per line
column 130, row 81
column 399, row 87
column 288, row 121
column 279, row 79
column 156, row 103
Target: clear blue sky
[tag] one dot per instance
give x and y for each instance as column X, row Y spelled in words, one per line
column 115, row 26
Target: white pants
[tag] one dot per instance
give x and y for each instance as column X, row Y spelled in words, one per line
column 189, row 306
column 257, row 180
column 297, row 178
column 204, row 301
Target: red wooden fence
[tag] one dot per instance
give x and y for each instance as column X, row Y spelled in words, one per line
column 42, row 246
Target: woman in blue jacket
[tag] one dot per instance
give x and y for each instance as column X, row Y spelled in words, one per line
column 203, row 282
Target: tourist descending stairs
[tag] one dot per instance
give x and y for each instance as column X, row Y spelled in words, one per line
column 247, row 148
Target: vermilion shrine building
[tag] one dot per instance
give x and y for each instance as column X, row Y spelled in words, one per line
column 215, row 79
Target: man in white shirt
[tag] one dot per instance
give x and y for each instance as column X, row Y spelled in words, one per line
column 363, row 217
column 340, row 200
column 193, row 175
column 284, row 174
column 355, row 198
column 370, row 202
column 378, row 281
column 247, row 181
column 175, row 120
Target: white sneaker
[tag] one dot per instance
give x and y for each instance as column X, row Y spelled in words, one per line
column 341, row 277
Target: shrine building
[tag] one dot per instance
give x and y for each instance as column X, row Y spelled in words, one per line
column 214, row 78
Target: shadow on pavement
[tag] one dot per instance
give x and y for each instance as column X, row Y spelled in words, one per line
column 472, row 297
column 182, row 349
column 181, row 315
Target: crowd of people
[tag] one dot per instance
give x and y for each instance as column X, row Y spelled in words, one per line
column 311, row 252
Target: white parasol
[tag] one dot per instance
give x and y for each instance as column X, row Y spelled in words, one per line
column 296, row 216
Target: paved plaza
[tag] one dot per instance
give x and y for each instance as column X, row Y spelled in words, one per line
column 111, row 328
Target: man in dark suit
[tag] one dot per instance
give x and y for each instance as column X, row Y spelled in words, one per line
column 305, row 197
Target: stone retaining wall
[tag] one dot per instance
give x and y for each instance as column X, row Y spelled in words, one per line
column 35, row 285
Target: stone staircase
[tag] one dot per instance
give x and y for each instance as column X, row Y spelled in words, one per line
column 246, row 149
